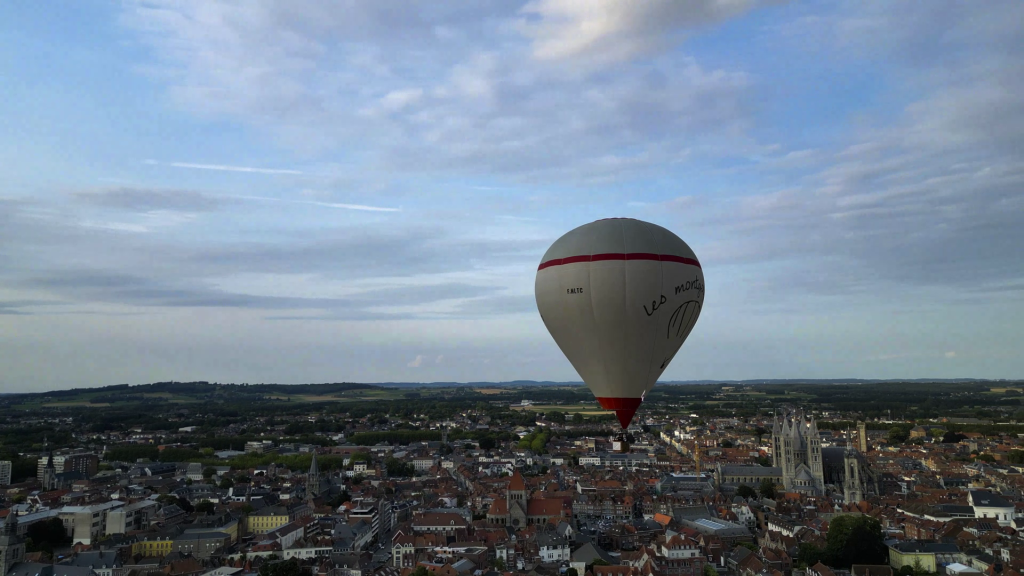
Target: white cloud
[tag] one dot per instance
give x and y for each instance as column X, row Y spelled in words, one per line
column 416, row 362
column 612, row 30
column 477, row 101
column 357, row 207
column 222, row 167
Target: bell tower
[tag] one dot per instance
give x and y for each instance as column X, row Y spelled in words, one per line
column 12, row 546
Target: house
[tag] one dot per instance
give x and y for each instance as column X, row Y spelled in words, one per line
column 553, row 548
column 930, row 555
column 986, row 504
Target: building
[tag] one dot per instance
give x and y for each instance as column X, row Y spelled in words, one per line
column 84, row 462
column 518, row 510
column 809, row 469
column 448, row 523
column 552, row 548
column 928, row 556
column 201, row 543
column 153, row 545
column 423, row 464
column 86, row 524
column 314, row 481
column 738, row 475
column 273, row 517
column 12, row 546
column 134, row 516
column 368, row 514
column 989, row 505
column 5, row 472
column 796, row 450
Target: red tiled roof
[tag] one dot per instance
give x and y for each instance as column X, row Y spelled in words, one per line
column 517, row 482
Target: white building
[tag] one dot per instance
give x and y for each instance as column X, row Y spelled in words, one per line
column 86, row 524
column 5, row 472
column 989, row 505
column 552, row 548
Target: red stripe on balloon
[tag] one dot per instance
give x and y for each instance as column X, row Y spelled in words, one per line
column 620, row 256
column 624, row 408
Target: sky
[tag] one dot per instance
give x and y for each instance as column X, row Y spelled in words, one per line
column 303, row 191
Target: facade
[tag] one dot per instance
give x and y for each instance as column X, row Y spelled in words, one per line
column 273, row 517
column 5, row 472
column 989, row 505
column 84, row 462
column 314, row 482
column 738, row 475
column 807, row 468
column 12, row 546
column 519, row 510
column 796, row 450
column 86, row 524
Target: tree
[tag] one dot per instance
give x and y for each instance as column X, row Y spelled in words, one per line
column 855, row 539
column 897, row 435
column 226, row 483
column 487, row 443
column 499, row 564
column 951, row 437
column 577, row 418
column 767, row 488
column 43, row 536
column 419, row 571
column 209, row 472
column 759, row 432
column 808, row 554
column 745, row 491
column 286, row 568
column 709, row 570
column 555, row 416
column 572, row 571
column 726, row 444
column 206, row 507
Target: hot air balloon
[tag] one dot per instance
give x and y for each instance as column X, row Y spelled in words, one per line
column 619, row 296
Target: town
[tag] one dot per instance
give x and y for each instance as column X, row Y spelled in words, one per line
column 200, row 479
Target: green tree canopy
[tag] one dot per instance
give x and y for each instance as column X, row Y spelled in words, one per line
column 767, row 488
column 855, row 539
column 745, row 491
column 290, row 567
column 897, row 435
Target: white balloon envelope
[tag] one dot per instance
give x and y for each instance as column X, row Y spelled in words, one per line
column 620, row 296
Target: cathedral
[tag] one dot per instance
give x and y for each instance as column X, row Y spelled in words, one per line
column 805, row 467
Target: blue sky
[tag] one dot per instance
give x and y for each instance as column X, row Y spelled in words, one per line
column 300, row 191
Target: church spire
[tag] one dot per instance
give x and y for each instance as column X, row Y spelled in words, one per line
column 313, row 479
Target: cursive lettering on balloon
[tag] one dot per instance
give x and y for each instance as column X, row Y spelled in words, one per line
column 655, row 304
column 695, row 284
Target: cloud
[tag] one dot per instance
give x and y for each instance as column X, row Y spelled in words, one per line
column 451, row 102
column 377, row 272
column 146, row 200
column 416, row 362
column 611, row 31
column 357, row 207
column 926, row 199
column 223, row 167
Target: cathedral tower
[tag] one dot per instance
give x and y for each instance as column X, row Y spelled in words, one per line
column 12, row 546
